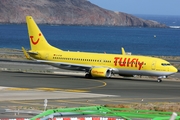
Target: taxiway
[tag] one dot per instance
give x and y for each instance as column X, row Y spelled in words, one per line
column 28, row 84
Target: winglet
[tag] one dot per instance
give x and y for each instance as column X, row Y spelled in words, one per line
column 123, row 51
column 26, row 54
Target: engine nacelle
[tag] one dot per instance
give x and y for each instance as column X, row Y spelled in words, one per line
column 101, row 72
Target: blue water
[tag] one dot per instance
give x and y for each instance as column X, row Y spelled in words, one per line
column 98, row 39
column 169, row 20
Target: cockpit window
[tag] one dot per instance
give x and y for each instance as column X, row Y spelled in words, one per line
column 165, row 64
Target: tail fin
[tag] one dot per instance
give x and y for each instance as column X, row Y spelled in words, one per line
column 37, row 39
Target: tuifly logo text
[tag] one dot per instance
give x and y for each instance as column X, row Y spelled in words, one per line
column 128, row 62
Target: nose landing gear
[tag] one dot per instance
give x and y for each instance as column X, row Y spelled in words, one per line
column 160, row 78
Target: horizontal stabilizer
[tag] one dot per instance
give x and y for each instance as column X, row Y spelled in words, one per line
column 33, row 53
column 26, row 54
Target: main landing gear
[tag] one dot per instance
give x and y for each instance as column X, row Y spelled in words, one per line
column 159, row 80
column 88, row 75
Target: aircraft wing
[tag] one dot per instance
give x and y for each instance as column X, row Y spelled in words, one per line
column 67, row 65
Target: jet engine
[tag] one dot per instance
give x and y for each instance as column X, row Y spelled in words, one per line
column 101, row 72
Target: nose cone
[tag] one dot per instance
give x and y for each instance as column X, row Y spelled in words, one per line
column 174, row 70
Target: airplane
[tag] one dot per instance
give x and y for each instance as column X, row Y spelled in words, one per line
column 95, row 65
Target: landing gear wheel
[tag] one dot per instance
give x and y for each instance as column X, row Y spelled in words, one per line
column 159, row 80
column 88, row 76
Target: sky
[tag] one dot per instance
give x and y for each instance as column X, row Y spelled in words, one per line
column 147, row 7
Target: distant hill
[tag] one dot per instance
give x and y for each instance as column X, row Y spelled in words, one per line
column 67, row 12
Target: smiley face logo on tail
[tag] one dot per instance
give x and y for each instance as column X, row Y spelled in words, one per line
column 35, row 42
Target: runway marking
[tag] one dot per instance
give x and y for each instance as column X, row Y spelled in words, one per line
column 86, row 89
column 59, row 89
column 103, row 84
column 17, row 89
column 44, row 89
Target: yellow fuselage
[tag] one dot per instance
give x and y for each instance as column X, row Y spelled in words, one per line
column 121, row 64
